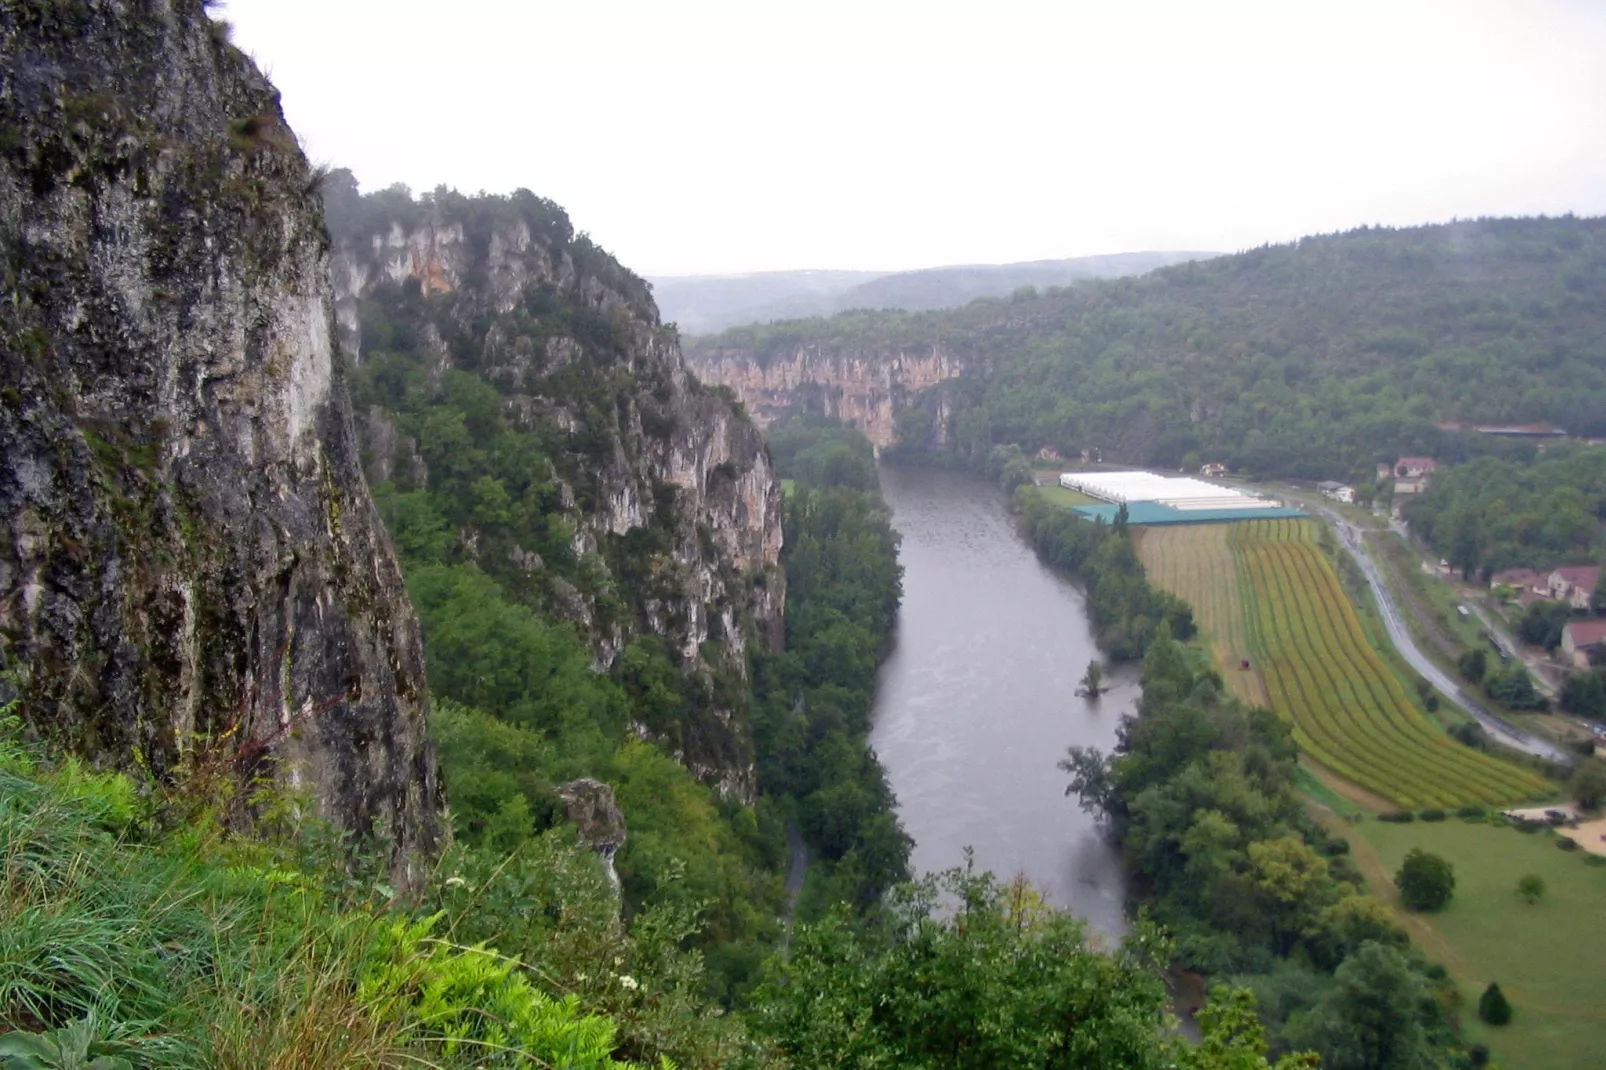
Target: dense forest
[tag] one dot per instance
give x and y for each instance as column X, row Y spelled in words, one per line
column 1314, row 360
column 1492, row 514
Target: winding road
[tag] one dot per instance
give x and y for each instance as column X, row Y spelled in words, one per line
column 1502, row 730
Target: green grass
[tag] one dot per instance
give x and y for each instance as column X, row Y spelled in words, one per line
column 1066, row 497
column 1549, row 958
column 175, row 945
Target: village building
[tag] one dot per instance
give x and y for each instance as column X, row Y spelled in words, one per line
column 1411, row 474
column 1523, row 584
column 1574, row 584
column 1582, row 640
column 1335, row 490
column 1213, row 470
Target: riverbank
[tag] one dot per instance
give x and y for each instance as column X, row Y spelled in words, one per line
column 975, row 706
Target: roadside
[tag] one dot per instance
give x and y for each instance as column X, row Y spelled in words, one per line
column 1394, row 621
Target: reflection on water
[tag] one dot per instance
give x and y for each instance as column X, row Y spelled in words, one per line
column 977, row 703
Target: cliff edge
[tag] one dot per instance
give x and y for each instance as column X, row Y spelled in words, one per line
column 191, row 569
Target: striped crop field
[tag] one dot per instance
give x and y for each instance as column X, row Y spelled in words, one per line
column 1349, row 710
column 1194, row 562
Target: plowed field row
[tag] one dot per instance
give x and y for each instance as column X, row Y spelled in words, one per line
column 1263, row 588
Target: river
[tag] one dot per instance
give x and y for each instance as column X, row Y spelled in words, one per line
column 976, row 705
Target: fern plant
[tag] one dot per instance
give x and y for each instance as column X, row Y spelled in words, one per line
column 475, row 998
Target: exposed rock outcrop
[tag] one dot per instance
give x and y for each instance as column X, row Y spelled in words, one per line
column 864, row 390
column 190, row 564
column 669, row 492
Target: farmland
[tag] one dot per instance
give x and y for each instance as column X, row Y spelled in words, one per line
column 1263, row 589
column 1190, row 562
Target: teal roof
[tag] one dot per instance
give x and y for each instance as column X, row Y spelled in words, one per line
column 1155, row 513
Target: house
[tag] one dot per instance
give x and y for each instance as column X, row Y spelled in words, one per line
column 1411, row 474
column 1573, row 584
column 1213, row 471
column 1583, row 639
column 1335, row 490
column 1414, row 467
column 1522, row 581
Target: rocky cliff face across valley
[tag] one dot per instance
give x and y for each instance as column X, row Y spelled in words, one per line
column 864, row 390
column 192, row 574
column 669, row 509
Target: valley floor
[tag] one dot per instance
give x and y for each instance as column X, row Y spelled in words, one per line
column 1547, row 957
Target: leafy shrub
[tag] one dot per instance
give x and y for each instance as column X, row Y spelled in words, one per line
column 1425, row 881
column 1493, row 1007
column 1399, row 817
column 1431, row 815
column 1472, row 813
column 1566, row 843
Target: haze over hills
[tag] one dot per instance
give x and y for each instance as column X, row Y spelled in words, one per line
column 1311, row 359
column 705, row 304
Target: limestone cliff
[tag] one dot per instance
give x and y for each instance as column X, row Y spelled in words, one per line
column 864, row 389
column 670, row 510
column 192, row 574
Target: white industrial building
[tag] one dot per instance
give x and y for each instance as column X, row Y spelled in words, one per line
column 1179, row 492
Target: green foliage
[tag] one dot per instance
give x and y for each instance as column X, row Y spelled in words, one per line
column 75, row 1046
column 1474, row 665
column 1126, row 610
column 1584, row 693
column 1588, row 785
column 812, row 717
column 480, row 1004
column 1426, row 881
column 1314, row 359
column 995, row 980
column 1531, row 888
column 1515, row 688
column 1493, row 1007
column 1492, row 514
column 166, row 942
column 1542, row 623
column 1372, row 1018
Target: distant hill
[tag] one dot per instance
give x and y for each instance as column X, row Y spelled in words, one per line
column 704, row 304
column 1313, row 359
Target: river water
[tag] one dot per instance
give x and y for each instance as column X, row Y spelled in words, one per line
column 977, row 702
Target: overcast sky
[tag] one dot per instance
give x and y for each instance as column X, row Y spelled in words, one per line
column 693, row 136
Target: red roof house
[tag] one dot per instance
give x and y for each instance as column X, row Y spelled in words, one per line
column 1574, row 584
column 1581, row 638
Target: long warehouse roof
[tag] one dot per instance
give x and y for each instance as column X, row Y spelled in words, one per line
column 1182, row 492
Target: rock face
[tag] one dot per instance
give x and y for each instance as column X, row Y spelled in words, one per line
column 866, row 390
column 192, row 573
column 669, row 492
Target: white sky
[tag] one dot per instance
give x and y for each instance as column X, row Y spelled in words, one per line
column 695, row 136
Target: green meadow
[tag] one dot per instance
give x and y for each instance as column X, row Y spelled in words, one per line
column 1548, row 957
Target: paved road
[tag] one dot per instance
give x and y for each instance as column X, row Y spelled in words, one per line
column 1501, row 730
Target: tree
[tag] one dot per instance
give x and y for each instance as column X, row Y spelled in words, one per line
column 1493, row 1007
column 1093, row 678
column 965, row 973
column 1515, row 688
column 1588, row 786
column 1372, row 1018
column 1584, row 693
column 1531, row 888
column 1474, row 664
column 1233, row 1037
column 1426, row 881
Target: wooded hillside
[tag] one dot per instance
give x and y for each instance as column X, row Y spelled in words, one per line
column 1313, row 359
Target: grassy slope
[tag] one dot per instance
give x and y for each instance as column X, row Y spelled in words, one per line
column 1548, row 958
